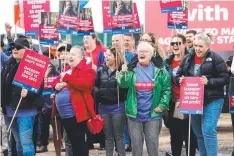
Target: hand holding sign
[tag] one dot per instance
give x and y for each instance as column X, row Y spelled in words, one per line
column 24, row 92
column 204, row 80
column 8, row 28
column 124, row 68
column 181, row 79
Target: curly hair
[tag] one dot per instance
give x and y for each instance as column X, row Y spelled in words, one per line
column 156, row 45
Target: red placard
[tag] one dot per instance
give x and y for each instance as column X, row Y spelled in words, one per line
column 31, row 71
column 48, row 28
column 32, row 9
column 191, row 96
column 68, row 17
column 214, row 16
column 171, row 5
column 106, row 16
column 48, row 82
column 231, row 102
column 137, row 23
column 85, row 26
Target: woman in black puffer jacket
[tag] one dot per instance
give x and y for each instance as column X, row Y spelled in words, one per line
column 212, row 70
column 111, row 108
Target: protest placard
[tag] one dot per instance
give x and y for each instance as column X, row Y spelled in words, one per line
column 191, row 96
column 48, row 28
column 171, row 5
column 122, row 17
column 48, row 85
column 32, row 10
column 106, row 17
column 31, row 71
column 177, row 20
column 68, row 17
column 85, row 26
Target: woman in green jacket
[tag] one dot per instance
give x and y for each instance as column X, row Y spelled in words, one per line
column 149, row 93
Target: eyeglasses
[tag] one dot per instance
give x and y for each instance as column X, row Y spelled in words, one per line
column 145, row 40
column 143, row 51
column 17, row 47
column 175, row 43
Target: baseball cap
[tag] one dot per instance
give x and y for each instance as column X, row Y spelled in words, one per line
column 21, row 42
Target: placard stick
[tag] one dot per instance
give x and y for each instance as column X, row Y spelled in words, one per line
column 116, row 64
column 14, row 114
column 189, row 134
column 56, row 126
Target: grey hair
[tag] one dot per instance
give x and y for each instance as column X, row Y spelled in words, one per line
column 145, row 46
column 82, row 52
column 205, row 36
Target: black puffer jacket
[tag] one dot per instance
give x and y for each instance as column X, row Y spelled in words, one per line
column 213, row 67
column 106, row 87
column 11, row 94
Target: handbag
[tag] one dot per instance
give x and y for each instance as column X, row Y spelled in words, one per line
column 177, row 113
column 95, row 123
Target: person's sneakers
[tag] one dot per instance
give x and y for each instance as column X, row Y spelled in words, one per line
column 62, row 148
column 128, row 149
column 41, row 149
column 168, row 154
column 5, row 153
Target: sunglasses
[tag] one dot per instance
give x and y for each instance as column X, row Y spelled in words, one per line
column 175, row 43
column 17, row 47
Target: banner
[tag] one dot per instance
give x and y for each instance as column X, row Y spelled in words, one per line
column 177, row 20
column 48, row 28
column 32, row 9
column 48, row 85
column 171, row 5
column 191, row 96
column 85, row 26
column 31, row 71
column 68, row 17
column 212, row 16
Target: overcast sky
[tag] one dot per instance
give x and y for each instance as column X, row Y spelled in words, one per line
column 7, row 13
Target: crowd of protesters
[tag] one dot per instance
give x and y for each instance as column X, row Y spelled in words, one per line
column 133, row 87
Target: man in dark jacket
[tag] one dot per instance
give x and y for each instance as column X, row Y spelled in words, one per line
column 22, row 126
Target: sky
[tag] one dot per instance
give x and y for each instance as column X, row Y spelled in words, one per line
column 7, row 13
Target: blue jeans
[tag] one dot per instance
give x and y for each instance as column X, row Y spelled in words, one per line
column 22, row 130
column 205, row 128
column 127, row 139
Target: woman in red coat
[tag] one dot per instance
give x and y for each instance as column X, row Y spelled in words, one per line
column 74, row 101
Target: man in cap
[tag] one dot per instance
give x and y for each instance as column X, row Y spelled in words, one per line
column 10, row 97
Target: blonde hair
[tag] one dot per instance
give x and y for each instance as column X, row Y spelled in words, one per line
column 156, row 45
column 205, row 36
column 145, row 46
